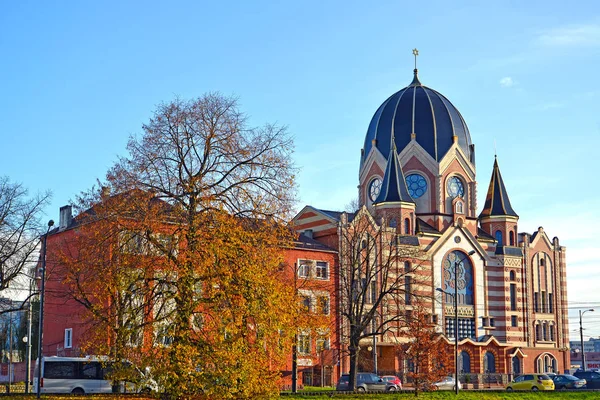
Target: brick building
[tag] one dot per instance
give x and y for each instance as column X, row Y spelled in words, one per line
column 418, row 164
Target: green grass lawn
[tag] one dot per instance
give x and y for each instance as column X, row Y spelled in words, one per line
column 463, row 395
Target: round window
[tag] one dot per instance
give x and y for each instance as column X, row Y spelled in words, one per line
column 455, row 187
column 374, row 189
column 417, row 185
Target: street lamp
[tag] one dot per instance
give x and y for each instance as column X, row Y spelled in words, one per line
column 42, row 290
column 456, row 263
column 581, row 337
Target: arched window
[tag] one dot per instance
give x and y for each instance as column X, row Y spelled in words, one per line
column 516, row 365
column 552, row 333
column 499, row 238
column 511, row 238
column 489, row 363
column 407, row 226
column 459, row 208
column 459, row 263
column 393, row 223
column 538, row 332
column 407, row 266
column 546, row 363
column 513, row 297
column 464, row 362
column 512, row 275
column 545, row 331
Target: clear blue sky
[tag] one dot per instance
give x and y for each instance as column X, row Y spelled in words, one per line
column 77, row 78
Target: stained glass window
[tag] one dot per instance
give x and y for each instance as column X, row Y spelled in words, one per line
column 374, row 188
column 417, row 185
column 455, row 187
column 459, row 263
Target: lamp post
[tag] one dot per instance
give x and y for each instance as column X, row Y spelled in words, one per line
column 581, row 336
column 456, row 264
column 42, row 290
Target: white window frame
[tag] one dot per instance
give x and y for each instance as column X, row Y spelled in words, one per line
column 68, row 338
column 319, row 265
column 301, row 343
column 304, row 267
column 325, row 343
column 328, row 297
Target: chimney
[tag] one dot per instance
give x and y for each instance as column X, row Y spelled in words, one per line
column 308, row 233
column 66, row 216
column 104, row 193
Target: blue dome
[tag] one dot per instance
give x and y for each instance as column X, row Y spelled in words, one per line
column 423, row 111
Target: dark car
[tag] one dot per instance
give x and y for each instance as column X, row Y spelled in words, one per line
column 568, row 382
column 364, row 382
column 592, row 379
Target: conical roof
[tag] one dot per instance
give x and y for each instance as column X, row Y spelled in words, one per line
column 497, row 202
column 393, row 187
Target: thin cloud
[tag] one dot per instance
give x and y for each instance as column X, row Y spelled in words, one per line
column 574, row 35
column 507, row 81
column 549, row 106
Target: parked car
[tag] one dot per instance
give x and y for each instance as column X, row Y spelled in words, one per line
column 365, row 381
column 394, row 383
column 446, row 384
column 592, row 379
column 532, row 382
column 568, row 382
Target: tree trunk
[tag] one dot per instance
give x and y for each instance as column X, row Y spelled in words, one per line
column 353, row 349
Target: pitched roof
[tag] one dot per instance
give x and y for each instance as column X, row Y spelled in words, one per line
column 336, row 214
column 304, row 242
column 481, row 234
column 424, row 227
column 393, row 187
column 497, row 201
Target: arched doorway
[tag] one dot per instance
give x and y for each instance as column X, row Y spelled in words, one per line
column 516, row 365
column 464, row 362
column 489, row 363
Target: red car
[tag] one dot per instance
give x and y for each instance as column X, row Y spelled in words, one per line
column 394, row 383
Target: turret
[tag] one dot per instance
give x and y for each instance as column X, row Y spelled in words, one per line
column 498, row 217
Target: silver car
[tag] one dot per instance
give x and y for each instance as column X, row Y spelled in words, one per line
column 447, row 384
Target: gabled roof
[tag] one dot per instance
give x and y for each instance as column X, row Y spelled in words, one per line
column 336, row 214
column 393, row 187
column 497, row 202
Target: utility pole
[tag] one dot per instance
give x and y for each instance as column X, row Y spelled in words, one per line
column 28, row 340
column 581, row 337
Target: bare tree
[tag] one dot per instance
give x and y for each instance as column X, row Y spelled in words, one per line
column 20, row 231
column 380, row 280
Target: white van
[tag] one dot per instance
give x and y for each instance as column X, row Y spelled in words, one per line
column 79, row 375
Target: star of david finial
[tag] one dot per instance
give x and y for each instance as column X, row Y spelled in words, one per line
column 415, row 53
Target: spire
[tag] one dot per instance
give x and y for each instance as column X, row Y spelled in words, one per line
column 497, row 202
column 415, row 81
column 393, row 187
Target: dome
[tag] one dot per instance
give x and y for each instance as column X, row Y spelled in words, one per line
column 423, row 111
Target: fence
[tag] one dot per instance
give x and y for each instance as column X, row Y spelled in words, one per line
column 470, row 381
column 14, row 372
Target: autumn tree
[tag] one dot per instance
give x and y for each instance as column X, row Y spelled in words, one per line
column 110, row 266
column 20, row 231
column 380, row 277
column 229, row 188
column 428, row 352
